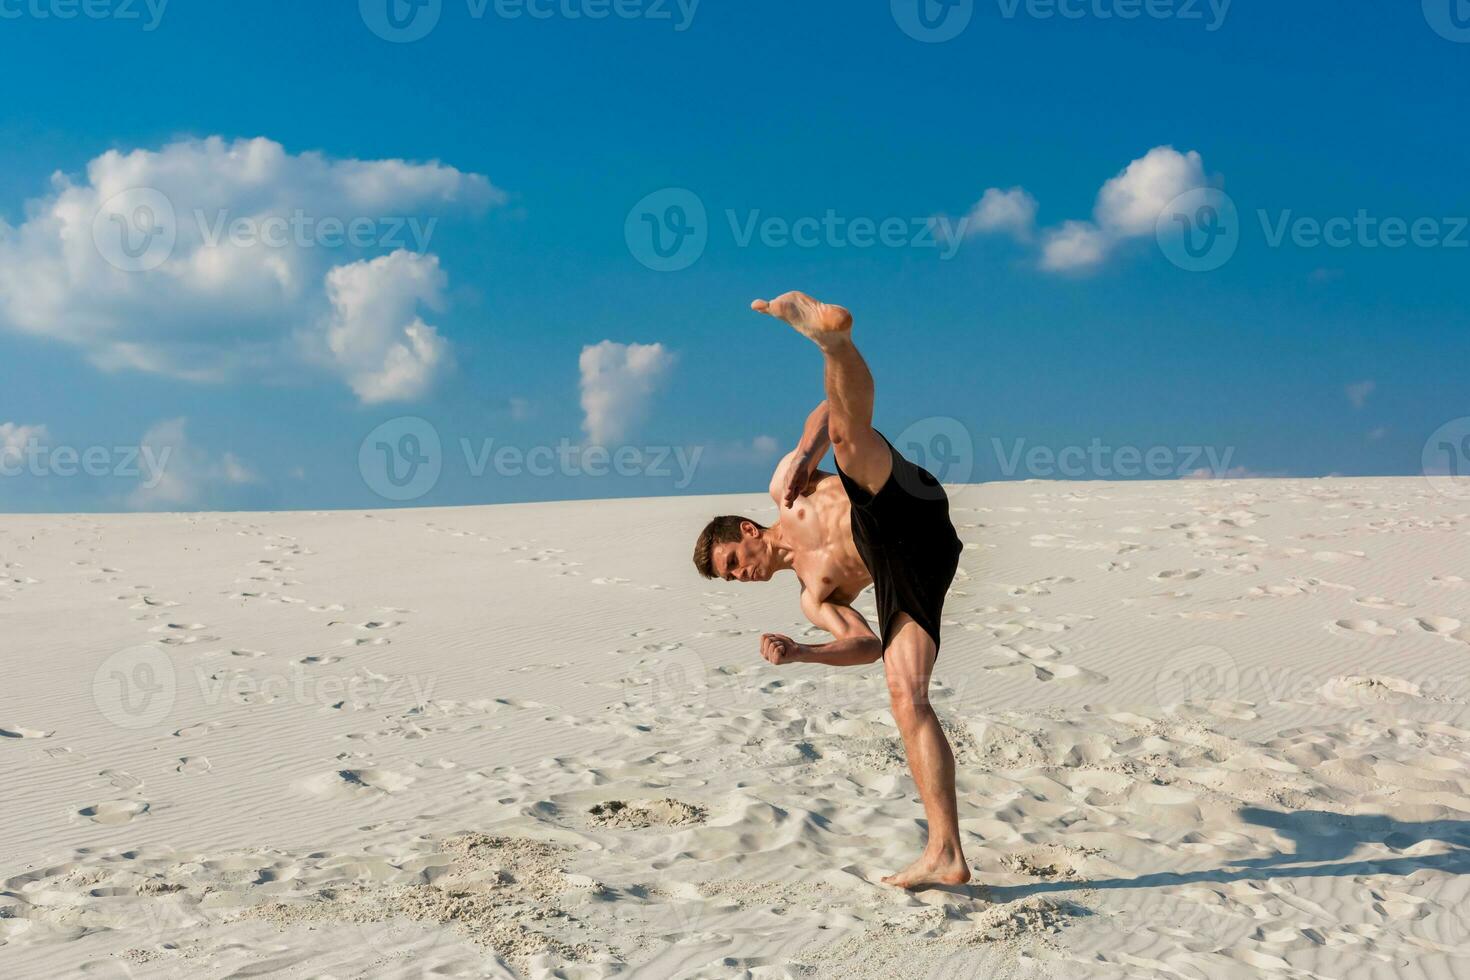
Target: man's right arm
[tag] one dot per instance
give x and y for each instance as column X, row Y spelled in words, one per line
column 802, row 464
column 854, row 643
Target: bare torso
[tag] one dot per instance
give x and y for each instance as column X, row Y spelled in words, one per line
column 818, row 528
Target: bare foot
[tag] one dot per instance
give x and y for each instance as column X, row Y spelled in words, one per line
column 930, row 870
column 821, row 322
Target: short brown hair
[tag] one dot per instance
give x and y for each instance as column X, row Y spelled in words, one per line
column 721, row 530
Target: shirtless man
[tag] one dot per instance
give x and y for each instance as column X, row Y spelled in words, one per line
column 881, row 520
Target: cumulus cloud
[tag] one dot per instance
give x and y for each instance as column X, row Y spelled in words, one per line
column 210, row 259
column 618, row 383
column 1011, row 212
column 1359, row 392
column 1127, row 207
column 180, row 474
column 374, row 334
column 1074, row 245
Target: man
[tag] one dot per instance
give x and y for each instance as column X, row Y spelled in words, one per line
column 879, row 520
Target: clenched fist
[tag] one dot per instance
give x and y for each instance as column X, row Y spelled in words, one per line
column 778, row 649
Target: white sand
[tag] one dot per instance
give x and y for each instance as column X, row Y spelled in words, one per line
column 1204, row 729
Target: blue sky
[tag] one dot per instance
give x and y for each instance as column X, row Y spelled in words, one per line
column 526, row 144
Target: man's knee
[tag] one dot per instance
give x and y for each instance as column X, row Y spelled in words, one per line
column 907, row 699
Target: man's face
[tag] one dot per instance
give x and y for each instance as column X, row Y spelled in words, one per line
column 746, row 560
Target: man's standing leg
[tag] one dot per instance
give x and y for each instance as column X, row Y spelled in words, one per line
column 865, row 457
column 908, row 662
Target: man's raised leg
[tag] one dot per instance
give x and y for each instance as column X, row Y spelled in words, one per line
column 907, row 663
column 860, row 451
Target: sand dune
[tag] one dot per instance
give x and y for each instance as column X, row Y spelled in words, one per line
column 1203, row 729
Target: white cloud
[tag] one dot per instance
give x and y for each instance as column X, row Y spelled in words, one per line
column 1377, row 433
column 618, row 382
column 179, row 474
column 1127, row 207
column 14, row 439
column 1075, row 245
column 1011, row 212
column 1359, row 391
column 374, row 335
column 256, row 232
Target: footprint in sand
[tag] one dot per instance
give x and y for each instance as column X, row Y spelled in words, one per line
column 124, row 781
column 1379, row 602
column 344, row 784
column 1181, row 574
column 1369, row 627
column 114, row 811
column 1444, row 626
column 193, row 765
column 8, row 730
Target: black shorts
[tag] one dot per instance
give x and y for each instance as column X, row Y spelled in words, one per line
column 904, row 535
